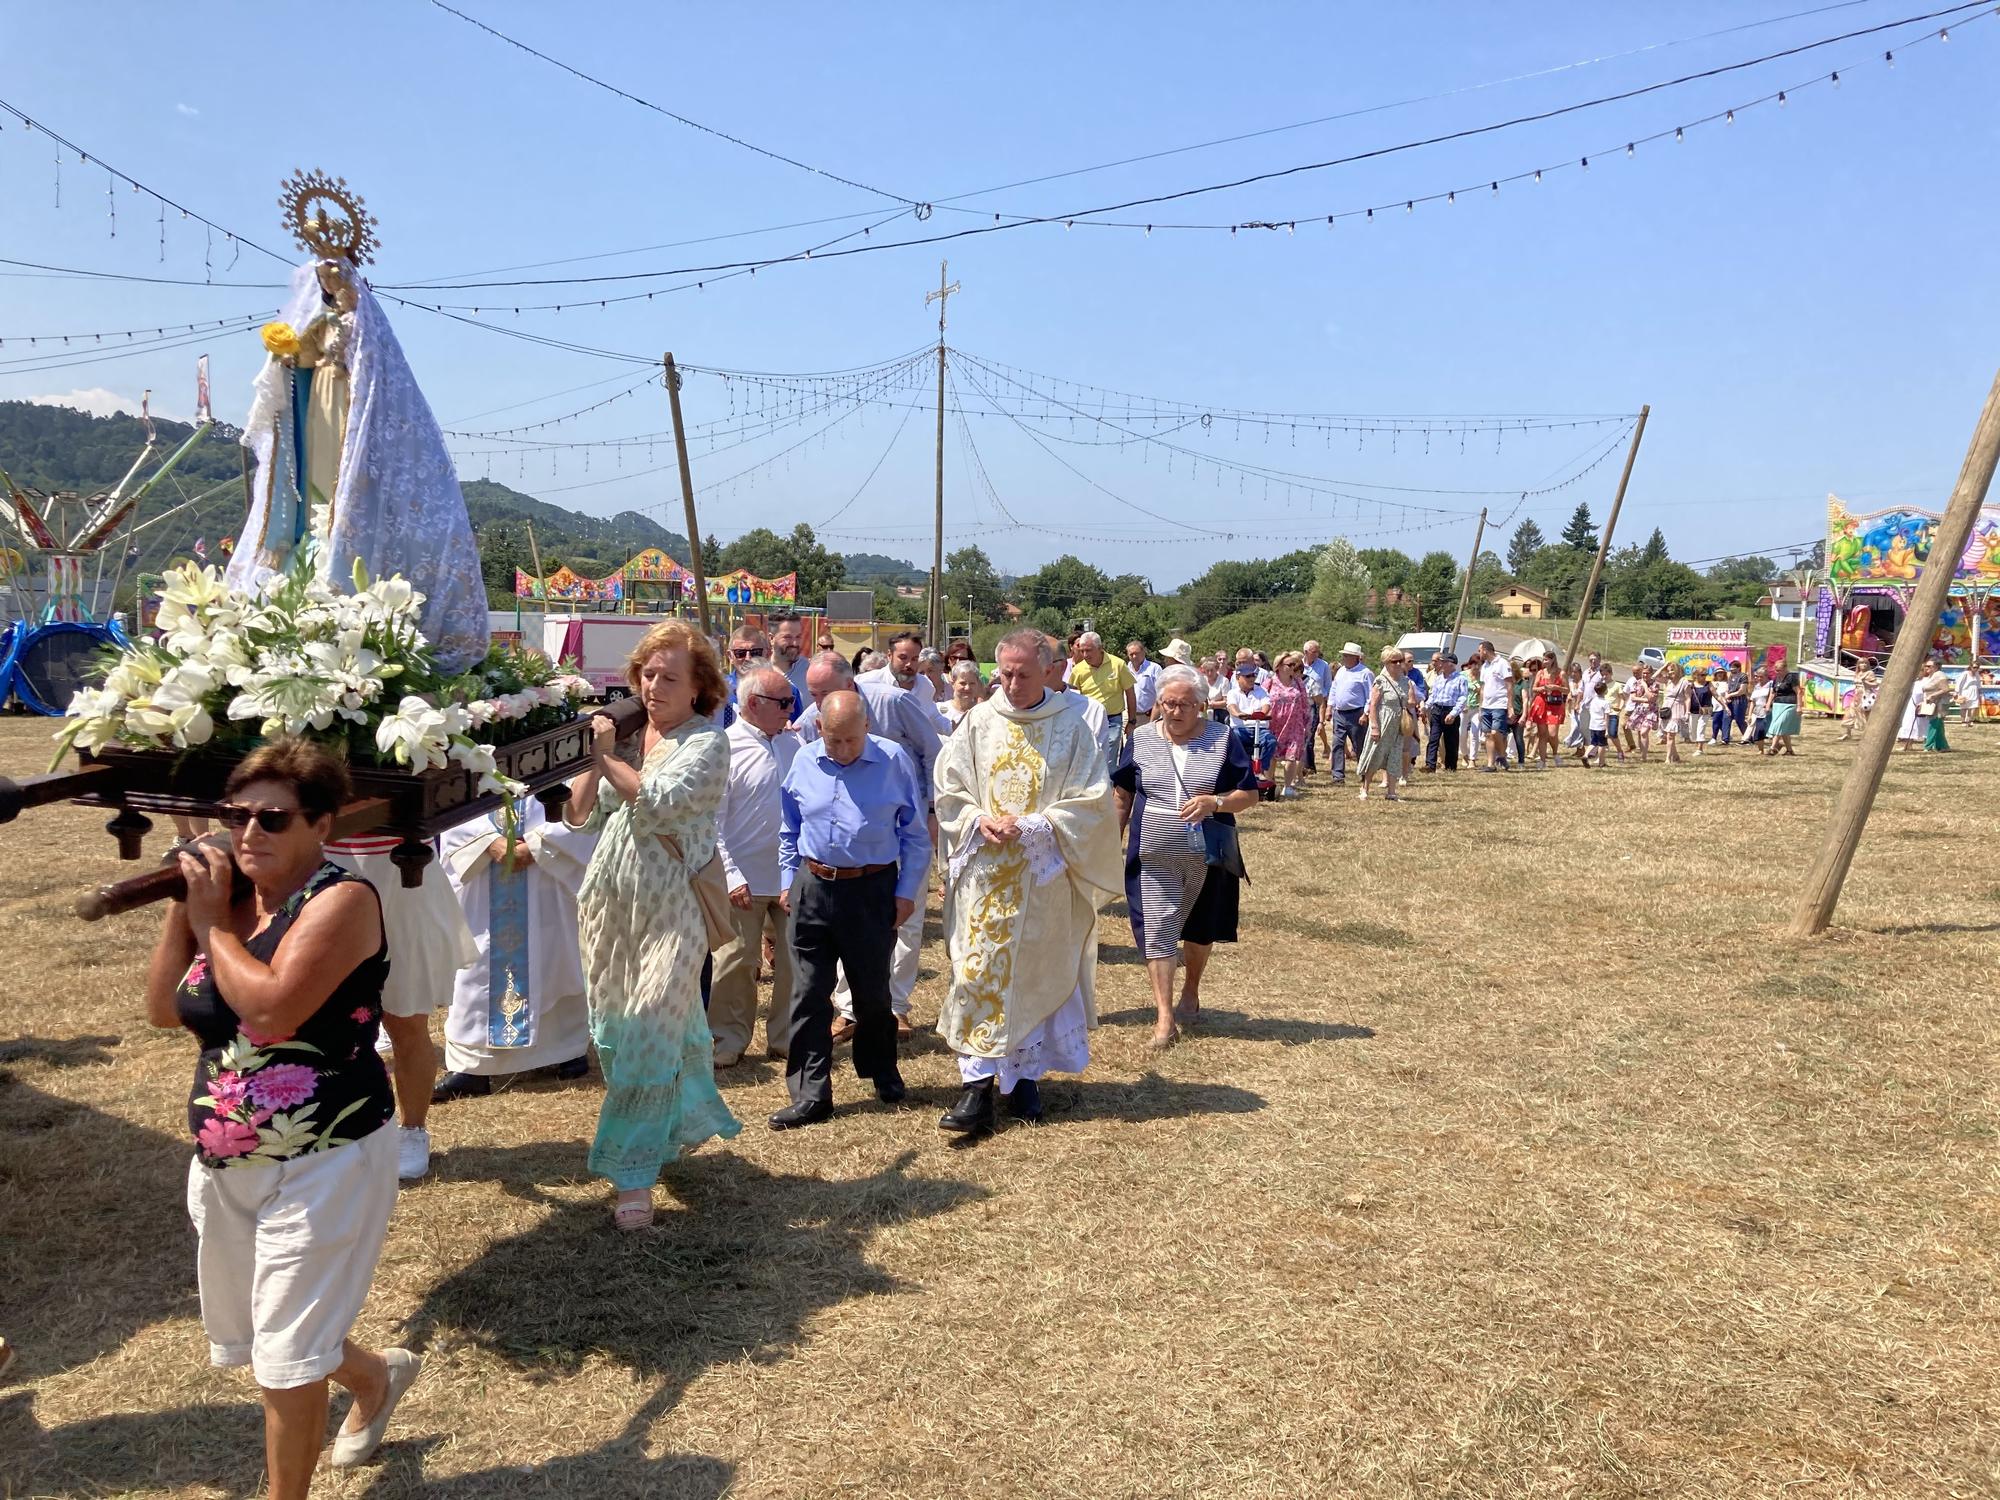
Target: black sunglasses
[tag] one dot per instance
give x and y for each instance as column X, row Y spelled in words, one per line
column 270, row 819
column 772, row 698
column 745, row 653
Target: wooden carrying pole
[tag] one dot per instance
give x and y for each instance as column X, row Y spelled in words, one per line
column 1465, row 592
column 1913, row 643
column 1583, row 608
column 687, row 493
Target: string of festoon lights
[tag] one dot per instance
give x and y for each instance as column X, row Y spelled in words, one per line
column 1625, row 147
column 114, row 178
column 847, row 405
column 1091, row 217
column 162, row 330
column 814, row 386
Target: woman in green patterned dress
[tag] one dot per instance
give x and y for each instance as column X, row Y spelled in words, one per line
column 641, row 927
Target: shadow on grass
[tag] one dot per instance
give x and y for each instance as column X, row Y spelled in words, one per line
column 95, row 1242
column 1148, row 1097
column 1239, row 1026
column 1910, row 929
column 220, row 1451
column 60, row 1052
column 752, row 1259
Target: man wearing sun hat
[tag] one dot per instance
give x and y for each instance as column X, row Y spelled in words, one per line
column 1348, row 702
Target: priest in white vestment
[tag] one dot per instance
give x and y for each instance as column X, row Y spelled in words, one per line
column 520, row 1006
column 1028, row 830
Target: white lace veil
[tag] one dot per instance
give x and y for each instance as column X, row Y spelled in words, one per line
column 398, row 507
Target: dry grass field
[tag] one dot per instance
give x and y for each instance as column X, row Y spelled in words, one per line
column 1520, row 1155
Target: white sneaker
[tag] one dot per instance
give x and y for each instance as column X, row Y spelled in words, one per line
column 413, row 1152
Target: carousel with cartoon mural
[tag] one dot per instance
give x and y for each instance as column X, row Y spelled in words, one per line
column 1873, row 561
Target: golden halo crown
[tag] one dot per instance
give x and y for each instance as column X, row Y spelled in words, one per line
column 328, row 217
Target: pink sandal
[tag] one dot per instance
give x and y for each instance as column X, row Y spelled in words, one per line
column 632, row 1212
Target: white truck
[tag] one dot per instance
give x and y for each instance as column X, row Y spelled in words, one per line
column 596, row 647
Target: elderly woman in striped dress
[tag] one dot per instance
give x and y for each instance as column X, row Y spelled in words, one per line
column 1182, row 770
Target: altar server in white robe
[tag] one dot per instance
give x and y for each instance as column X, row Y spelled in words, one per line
column 520, row 1006
column 1029, row 832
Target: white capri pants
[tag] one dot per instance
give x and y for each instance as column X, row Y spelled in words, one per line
column 287, row 1252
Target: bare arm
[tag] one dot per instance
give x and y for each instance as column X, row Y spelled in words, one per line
column 171, row 956
column 339, row 930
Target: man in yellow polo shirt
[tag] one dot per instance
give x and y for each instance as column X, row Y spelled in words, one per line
column 1109, row 681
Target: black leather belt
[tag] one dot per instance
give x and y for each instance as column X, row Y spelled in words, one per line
column 852, row 872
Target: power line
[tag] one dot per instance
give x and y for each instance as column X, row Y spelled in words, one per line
column 1071, row 217
column 679, row 119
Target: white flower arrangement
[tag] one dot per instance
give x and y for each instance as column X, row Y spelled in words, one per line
column 226, row 668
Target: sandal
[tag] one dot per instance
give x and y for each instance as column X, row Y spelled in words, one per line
column 1158, row 1043
column 633, row 1212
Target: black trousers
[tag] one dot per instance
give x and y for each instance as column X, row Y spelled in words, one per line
column 1312, row 733
column 1350, row 728
column 849, row 924
column 1441, row 733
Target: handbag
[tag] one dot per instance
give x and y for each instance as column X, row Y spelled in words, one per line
column 1221, row 847
column 711, row 894
column 1409, row 726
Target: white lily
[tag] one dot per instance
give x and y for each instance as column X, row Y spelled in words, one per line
column 414, row 735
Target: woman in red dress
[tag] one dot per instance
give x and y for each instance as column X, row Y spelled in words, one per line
column 1545, row 710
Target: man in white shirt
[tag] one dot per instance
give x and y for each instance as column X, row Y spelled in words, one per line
column 1319, row 686
column 1348, row 700
column 906, row 649
column 1250, row 714
column 1145, row 683
column 746, row 839
column 1496, row 686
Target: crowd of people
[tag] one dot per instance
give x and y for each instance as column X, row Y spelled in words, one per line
column 783, row 815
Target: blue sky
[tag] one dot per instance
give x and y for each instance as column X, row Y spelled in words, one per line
column 1803, row 296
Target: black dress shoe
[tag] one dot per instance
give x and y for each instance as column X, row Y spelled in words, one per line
column 804, row 1112
column 973, row 1113
column 575, row 1068
column 461, row 1086
column 889, row 1087
column 1025, row 1103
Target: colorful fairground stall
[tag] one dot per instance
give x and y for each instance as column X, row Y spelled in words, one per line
column 1873, row 561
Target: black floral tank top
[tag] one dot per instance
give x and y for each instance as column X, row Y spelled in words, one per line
column 259, row 1100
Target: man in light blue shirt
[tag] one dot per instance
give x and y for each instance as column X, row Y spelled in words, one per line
column 1347, row 698
column 1446, row 711
column 1319, row 683
column 898, row 715
column 853, row 850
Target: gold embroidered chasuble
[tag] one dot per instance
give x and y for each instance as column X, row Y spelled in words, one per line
column 1022, row 933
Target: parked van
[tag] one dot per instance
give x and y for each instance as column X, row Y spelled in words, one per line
column 1422, row 645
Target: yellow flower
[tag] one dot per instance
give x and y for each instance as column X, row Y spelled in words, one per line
column 281, row 339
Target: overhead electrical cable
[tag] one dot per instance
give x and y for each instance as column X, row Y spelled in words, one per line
column 661, row 109
column 1080, row 215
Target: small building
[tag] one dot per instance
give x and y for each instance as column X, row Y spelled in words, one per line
column 1519, row 602
column 1787, row 604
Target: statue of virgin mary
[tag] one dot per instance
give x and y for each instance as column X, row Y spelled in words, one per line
column 346, row 448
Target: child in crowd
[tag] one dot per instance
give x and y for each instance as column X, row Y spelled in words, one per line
column 1760, row 708
column 1598, row 708
column 1614, row 698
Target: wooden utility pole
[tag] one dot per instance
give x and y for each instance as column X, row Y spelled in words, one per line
column 1913, row 643
column 687, row 493
column 934, row 615
column 535, row 553
column 1465, row 591
column 1583, row 609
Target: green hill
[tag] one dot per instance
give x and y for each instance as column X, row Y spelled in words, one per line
column 51, row 448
